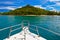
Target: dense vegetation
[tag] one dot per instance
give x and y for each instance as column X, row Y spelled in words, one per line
column 30, row 10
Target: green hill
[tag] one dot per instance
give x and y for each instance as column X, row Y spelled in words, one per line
column 30, row 10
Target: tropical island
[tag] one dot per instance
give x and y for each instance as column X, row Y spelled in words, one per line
column 30, row 10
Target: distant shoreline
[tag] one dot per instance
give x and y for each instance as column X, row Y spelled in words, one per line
column 29, row 15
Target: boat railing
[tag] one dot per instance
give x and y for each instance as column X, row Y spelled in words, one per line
column 9, row 27
column 45, row 29
column 22, row 25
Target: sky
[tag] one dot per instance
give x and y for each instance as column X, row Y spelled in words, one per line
column 52, row 5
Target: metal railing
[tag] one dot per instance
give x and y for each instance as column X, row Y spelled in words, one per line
column 9, row 27
column 47, row 30
column 22, row 25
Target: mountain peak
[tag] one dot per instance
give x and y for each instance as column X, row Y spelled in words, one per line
column 28, row 6
column 30, row 10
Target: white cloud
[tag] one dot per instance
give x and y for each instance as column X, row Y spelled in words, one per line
column 9, row 8
column 43, row 2
column 20, row 7
column 49, row 7
column 57, row 3
column 7, row 2
column 54, row 0
column 39, row 6
column 52, row 8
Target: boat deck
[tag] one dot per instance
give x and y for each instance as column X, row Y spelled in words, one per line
column 25, row 34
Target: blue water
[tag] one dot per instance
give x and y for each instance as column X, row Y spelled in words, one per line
column 48, row 22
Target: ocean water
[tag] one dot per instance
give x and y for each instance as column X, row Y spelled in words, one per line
column 49, row 26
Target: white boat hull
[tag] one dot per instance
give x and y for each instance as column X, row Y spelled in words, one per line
column 25, row 34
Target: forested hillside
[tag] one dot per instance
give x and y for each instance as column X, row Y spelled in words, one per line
column 30, row 10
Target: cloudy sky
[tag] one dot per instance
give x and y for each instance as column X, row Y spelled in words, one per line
column 6, row 5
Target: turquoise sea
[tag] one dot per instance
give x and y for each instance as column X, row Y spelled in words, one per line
column 49, row 25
